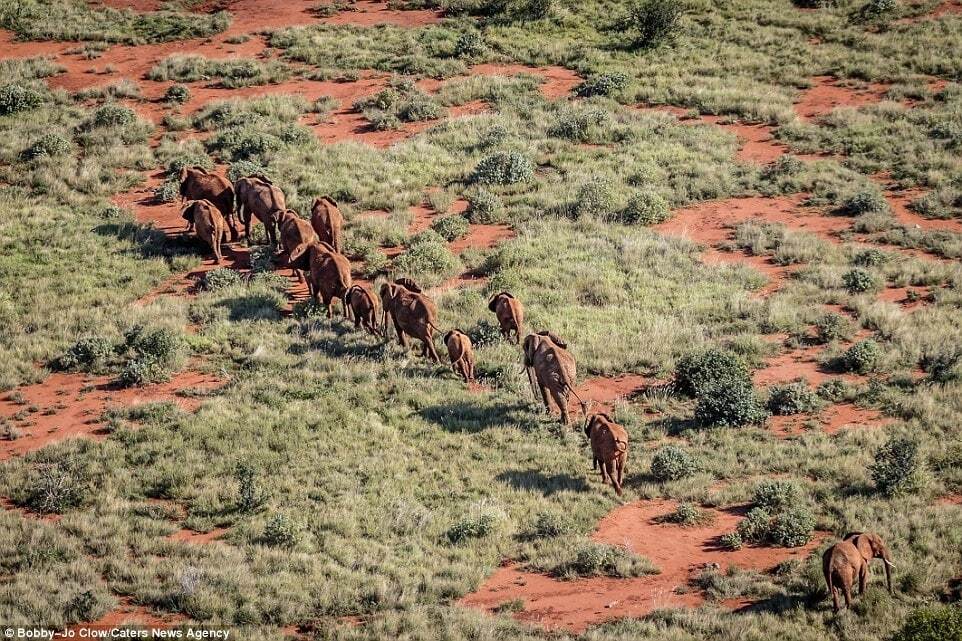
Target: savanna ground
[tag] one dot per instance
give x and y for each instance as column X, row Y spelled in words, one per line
column 779, row 181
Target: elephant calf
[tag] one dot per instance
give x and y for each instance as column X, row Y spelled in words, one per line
column 461, row 354
column 552, row 368
column 327, row 221
column 413, row 313
column 294, row 231
column 209, row 224
column 329, row 273
column 510, row 314
column 196, row 183
column 362, row 305
column 609, row 447
column 258, row 196
column 849, row 560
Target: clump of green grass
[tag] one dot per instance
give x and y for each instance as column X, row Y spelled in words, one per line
column 645, row 208
column 55, row 487
column 88, row 354
column 649, row 23
column 49, row 145
column 688, row 515
column 281, row 531
column 221, row 278
column 833, row 327
column 602, row 85
column 153, row 353
column 232, row 73
column 859, row 281
column 931, row 623
column 551, row 525
column 428, row 261
column 485, row 207
column 866, row 201
column 177, row 94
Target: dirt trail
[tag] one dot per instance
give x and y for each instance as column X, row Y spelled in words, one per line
column 944, row 8
column 826, row 94
column 679, row 553
column 899, row 202
column 187, row 535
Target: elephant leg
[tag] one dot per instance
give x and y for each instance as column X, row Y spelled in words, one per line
column 847, row 587
column 402, row 339
column 232, row 225
column 544, row 395
column 615, row 476
column 429, row 346
column 328, row 303
column 561, row 399
column 605, row 478
column 471, row 370
column 862, row 578
column 215, row 245
column 622, row 464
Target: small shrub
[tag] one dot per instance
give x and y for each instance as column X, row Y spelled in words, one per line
column 111, row 115
column 281, row 532
column 503, row 168
column 261, row 259
column 688, row 514
column 221, row 278
column 178, row 94
column 671, row 463
column 161, row 343
column 754, row 527
column 833, row 327
column 15, row 98
column 875, row 10
column 485, row 208
column 601, row 559
column 859, row 281
column 792, row 528
column 142, row 370
column 932, row 623
column 862, row 357
column 866, row 201
column 942, row 365
column 510, row 607
column 469, row 45
column 602, row 85
column 89, row 353
column 792, row 398
column 649, row 23
column 493, row 137
column 897, row 466
column 49, row 145
column 833, row 390
column 83, row 606
column 244, row 168
column 776, row 495
column 696, row 372
column 577, row 125
column 250, row 496
column 419, row 109
column 485, row 333
column 870, row 258
column 450, row 227
column 54, row 488
column 167, row 191
column 729, row 404
column 595, row 198
column 731, row 541
column 550, row 525
column 475, row 527
column 646, row 208
column 427, row 258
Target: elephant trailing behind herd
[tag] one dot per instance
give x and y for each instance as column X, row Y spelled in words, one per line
column 312, row 249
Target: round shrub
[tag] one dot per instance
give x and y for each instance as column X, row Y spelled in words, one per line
column 878, row 8
column 281, row 532
column 932, row 623
column 47, row 146
column 870, row 258
column 646, row 208
column 15, row 98
column 862, row 357
column 775, row 495
column 474, row 527
column 577, row 125
column 601, row 559
column 178, row 94
column 897, row 467
column 550, row 525
column 427, row 258
column 485, row 333
column 671, row 463
column 648, row 23
column 602, row 85
column 687, row 514
column 503, row 168
column 112, row 115
column 731, row 541
column 221, row 278
column 696, row 372
column 469, row 44
column 866, row 201
column 167, row 192
column 426, row 236
column 89, row 353
column 419, row 109
column 493, row 137
column 942, row 365
column 754, row 527
column 859, row 281
column 833, row 390
column 244, row 168
column 162, row 344
column 450, row 227
column 792, row 398
column 142, row 370
column 729, row 404
column 595, row 197
column 485, row 207
column 792, row 528
column 833, row 327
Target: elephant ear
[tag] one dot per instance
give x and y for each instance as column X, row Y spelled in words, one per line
column 448, row 336
column 493, row 302
column 189, row 212
column 408, row 284
column 555, row 339
column 331, row 200
column 851, row 535
column 530, row 345
column 301, row 257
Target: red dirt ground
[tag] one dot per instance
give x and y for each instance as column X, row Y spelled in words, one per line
column 826, row 94
column 899, row 296
column 191, row 536
column 794, row 364
column 944, row 8
column 603, row 392
column 366, row 13
column 831, row 420
column 128, row 613
column 70, row 405
column 899, row 202
column 679, row 552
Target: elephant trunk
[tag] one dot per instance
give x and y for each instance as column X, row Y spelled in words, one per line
column 531, row 376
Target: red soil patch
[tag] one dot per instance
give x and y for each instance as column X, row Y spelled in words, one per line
column 70, row 405
column 944, row 8
column 899, row 202
column 794, row 364
column 129, row 613
column 679, row 553
column 900, row 296
column 604, row 392
column 558, row 81
column 9, row 505
column 366, row 13
column 191, row 536
column 135, row 5
column 826, row 94
column 831, row 420
column 950, row 499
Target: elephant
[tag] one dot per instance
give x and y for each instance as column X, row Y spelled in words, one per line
column 327, row 221
column 260, row 197
column 548, row 362
column 849, row 560
column 461, row 354
column 294, row 231
column 209, row 223
column 196, row 183
column 412, row 313
column 609, row 448
column 329, row 273
column 362, row 305
column 510, row 314
column 408, row 284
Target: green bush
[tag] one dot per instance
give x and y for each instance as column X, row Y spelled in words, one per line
column 687, row 514
column 649, row 23
column 775, row 495
column 485, row 208
column 729, row 404
column 503, row 168
column 671, row 463
column 89, row 354
column 792, row 398
column 833, row 327
column 792, row 528
column 15, row 98
column 897, row 466
column 419, row 109
column 154, row 351
column 112, row 115
column 53, row 488
column 142, row 370
column 281, row 532
column 550, row 525
column 595, row 198
column 244, row 168
column 426, row 259
column 875, row 10
column 694, row 373
column 602, row 85
column 450, row 227
column 646, row 208
column 250, row 496
column 942, row 365
column 49, row 145
column 469, row 45
column 178, row 94
column 577, row 125
column 754, row 527
column 245, row 143
column 870, row 258
column 474, row 527
column 484, row 333
column 932, row 623
column 866, row 201
column 731, row 541
column 601, row 559
column 221, row 278
column 862, row 357
column 859, row 281
column 167, row 191
column 833, row 390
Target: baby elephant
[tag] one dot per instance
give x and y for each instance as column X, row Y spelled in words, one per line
column 362, row 305
column 461, row 354
column 210, row 225
column 848, row 561
column 609, row 447
column 510, row 314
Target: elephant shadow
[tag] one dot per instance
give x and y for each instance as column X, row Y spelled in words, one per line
column 470, row 417
column 148, row 241
column 535, row 480
column 340, row 339
column 253, row 307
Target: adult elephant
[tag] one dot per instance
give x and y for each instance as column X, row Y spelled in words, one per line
column 327, row 221
column 552, row 367
column 413, row 313
column 294, row 231
column 848, row 561
column 209, row 224
column 196, row 183
column 258, row 196
column 510, row 314
column 328, row 273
